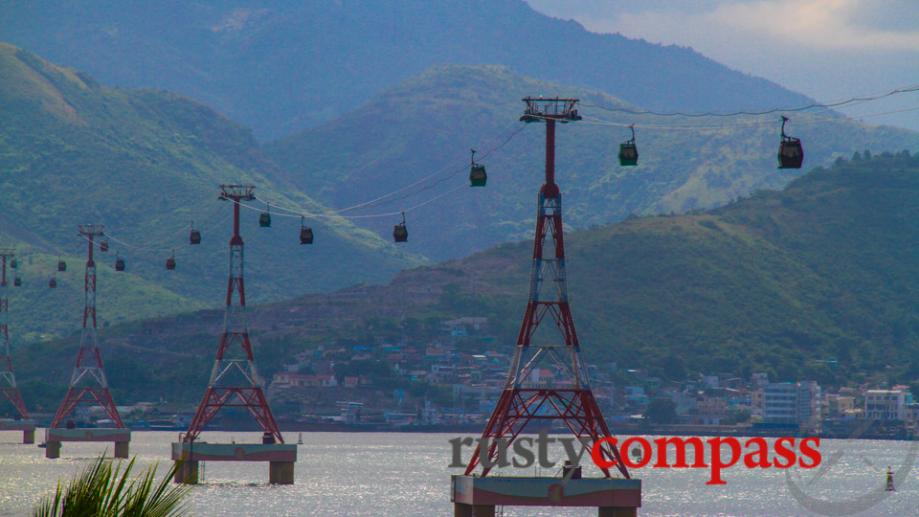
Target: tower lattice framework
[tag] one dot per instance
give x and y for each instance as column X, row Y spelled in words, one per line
column 234, row 380
column 523, row 400
column 88, row 383
column 7, row 377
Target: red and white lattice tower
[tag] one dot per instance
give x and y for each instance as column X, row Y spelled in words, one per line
column 568, row 400
column 88, row 383
column 234, row 379
column 7, row 377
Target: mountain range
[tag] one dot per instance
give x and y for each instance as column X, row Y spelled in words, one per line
column 147, row 164
column 287, row 65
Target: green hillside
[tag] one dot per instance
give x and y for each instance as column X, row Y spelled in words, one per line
column 427, row 125
column 145, row 164
column 783, row 282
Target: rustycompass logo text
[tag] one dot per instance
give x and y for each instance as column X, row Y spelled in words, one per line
column 717, row 454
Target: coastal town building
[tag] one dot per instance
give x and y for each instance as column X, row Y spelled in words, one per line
column 887, row 405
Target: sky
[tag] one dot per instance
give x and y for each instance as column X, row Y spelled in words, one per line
column 827, row 49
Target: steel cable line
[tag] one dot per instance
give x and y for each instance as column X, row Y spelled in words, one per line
column 364, row 216
column 591, row 121
column 161, row 245
column 828, row 105
column 449, row 174
column 421, row 180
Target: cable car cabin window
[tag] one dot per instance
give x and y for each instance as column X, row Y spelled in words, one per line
column 477, row 176
column 791, row 153
column 61, row 265
column 628, row 154
column 306, row 235
column 400, row 233
column 194, row 237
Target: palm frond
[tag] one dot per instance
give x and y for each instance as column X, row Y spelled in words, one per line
column 102, row 490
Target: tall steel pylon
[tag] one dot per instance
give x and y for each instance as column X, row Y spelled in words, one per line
column 234, row 380
column 88, row 383
column 7, row 377
column 523, row 400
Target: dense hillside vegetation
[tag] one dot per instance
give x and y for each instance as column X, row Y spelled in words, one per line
column 817, row 281
column 286, row 65
column 145, row 163
column 427, row 124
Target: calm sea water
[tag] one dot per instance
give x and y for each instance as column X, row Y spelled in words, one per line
column 389, row 474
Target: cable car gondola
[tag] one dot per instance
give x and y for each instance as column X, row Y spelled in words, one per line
column 52, row 284
column 194, row 236
column 119, row 263
column 264, row 219
column 477, row 176
column 306, row 233
column 61, row 265
column 171, row 261
column 628, row 151
column 103, row 246
column 17, row 282
column 791, row 153
column 14, row 264
column 399, row 231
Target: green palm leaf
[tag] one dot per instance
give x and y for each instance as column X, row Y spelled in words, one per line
column 106, row 491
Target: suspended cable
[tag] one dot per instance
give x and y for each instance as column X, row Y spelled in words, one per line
column 164, row 244
column 449, row 174
column 361, row 216
column 828, row 105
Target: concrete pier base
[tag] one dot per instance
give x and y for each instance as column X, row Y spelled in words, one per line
column 281, row 473
column 279, row 456
column 26, row 426
column 469, row 510
column 187, row 473
column 120, row 437
column 52, row 450
column 122, row 449
column 618, row 512
column 478, row 496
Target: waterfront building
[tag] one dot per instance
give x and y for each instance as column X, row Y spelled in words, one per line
column 887, row 405
column 792, row 403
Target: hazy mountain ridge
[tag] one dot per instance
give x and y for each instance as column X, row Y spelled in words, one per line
column 287, row 65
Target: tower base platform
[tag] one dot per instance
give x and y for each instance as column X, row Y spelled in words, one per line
column 120, row 436
column 477, row 496
column 280, row 457
column 26, row 426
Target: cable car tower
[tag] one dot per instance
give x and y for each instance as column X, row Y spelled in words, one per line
column 88, row 383
column 569, row 401
column 7, row 377
column 234, row 380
